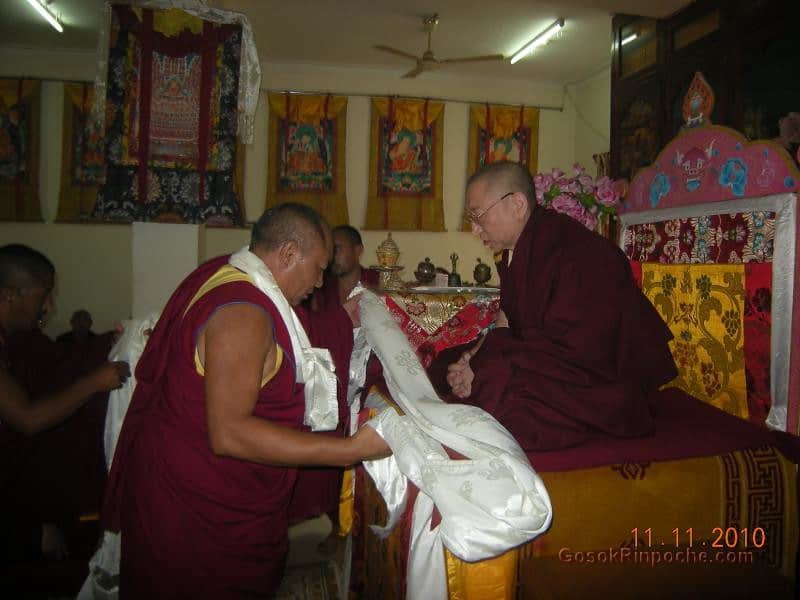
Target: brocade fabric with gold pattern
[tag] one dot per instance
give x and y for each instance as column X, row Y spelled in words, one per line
column 703, row 305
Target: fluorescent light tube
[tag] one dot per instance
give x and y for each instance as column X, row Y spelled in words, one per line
column 539, row 40
column 629, row 39
column 46, row 15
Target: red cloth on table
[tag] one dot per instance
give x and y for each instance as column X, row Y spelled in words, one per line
column 194, row 524
column 585, row 349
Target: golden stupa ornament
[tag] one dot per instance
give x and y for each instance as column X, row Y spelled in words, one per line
column 388, row 254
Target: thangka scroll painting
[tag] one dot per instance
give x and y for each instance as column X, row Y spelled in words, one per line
column 82, row 154
column 19, row 150
column 501, row 132
column 405, row 178
column 171, row 152
column 307, row 135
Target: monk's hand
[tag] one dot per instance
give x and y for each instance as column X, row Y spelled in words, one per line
column 110, row 375
column 369, row 445
column 353, row 310
column 500, row 319
column 460, row 376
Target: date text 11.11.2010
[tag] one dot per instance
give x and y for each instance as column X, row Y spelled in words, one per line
column 719, row 537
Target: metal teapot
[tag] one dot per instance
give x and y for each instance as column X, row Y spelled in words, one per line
column 426, row 271
column 482, row 273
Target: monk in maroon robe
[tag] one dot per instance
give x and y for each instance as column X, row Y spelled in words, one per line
column 578, row 350
column 345, row 272
column 27, row 278
column 205, row 463
column 317, row 491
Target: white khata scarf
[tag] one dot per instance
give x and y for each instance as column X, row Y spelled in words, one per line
column 490, row 502
column 314, row 367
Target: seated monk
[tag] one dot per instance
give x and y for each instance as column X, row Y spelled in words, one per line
column 208, row 453
column 578, row 350
column 27, row 278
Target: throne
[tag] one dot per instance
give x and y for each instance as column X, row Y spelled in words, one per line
column 708, row 504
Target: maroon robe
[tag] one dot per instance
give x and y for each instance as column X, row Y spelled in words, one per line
column 58, row 474
column 194, row 524
column 585, row 350
column 317, row 490
column 327, row 297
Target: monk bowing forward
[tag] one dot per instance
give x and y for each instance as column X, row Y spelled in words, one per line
column 579, row 350
column 205, row 463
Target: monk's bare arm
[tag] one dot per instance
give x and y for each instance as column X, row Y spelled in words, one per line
column 237, row 341
column 18, row 412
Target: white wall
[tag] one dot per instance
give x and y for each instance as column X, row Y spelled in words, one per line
column 94, row 261
column 591, row 101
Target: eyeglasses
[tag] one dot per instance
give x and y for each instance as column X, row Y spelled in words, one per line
column 475, row 217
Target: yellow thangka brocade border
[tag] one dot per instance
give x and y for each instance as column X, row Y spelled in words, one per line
column 310, row 109
column 703, row 305
column 75, row 201
column 504, row 122
column 172, row 21
column 19, row 200
column 408, row 211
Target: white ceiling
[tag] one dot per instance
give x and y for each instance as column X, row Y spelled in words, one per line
column 342, row 32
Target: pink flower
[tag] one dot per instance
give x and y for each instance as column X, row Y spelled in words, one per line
column 571, row 207
column 589, row 220
column 568, row 205
column 605, row 192
column 579, row 196
column 587, row 182
column 571, row 187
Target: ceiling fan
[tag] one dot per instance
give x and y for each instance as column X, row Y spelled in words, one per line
column 428, row 62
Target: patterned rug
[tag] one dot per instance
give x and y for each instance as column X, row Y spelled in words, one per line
column 315, row 581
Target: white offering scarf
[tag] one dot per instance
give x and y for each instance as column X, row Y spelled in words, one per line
column 490, row 502
column 314, row 367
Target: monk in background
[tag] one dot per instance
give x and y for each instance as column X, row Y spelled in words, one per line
column 27, row 532
column 578, row 350
column 208, row 453
column 345, row 272
column 317, row 490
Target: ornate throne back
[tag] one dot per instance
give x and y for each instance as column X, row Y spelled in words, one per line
column 710, row 229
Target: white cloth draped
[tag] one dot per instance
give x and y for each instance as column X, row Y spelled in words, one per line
column 314, row 367
column 129, row 347
column 490, row 502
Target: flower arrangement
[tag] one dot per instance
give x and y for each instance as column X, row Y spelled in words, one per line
column 588, row 201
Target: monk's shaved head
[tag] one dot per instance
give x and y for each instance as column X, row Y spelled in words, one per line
column 510, row 176
column 289, row 222
column 22, row 267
